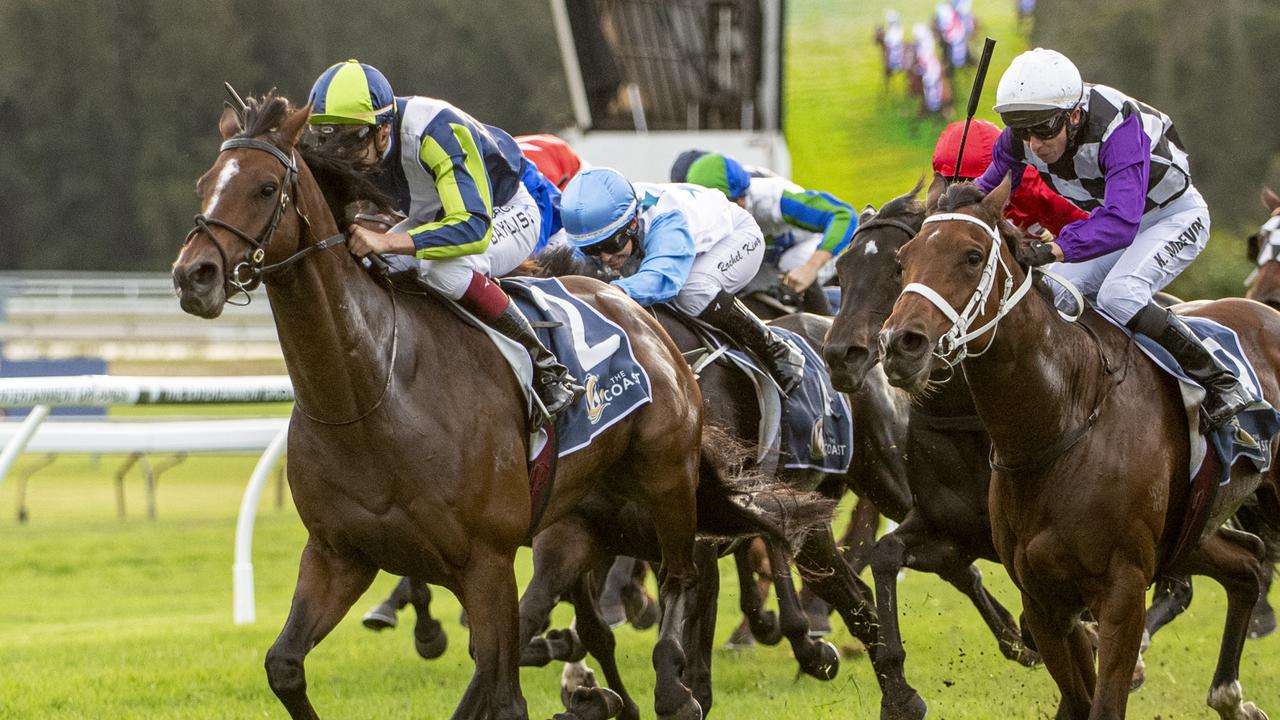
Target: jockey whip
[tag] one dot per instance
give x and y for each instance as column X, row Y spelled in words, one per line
column 987, row 46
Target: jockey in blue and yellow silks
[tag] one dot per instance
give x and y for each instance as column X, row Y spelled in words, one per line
column 464, row 188
column 820, row 225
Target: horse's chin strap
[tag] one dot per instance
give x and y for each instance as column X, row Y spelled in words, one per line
column 953, row 345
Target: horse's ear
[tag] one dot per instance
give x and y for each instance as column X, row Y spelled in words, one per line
column 936, row 188
column 995, row 200
column 229, row 123
column 294, row 124
column 1269, row 199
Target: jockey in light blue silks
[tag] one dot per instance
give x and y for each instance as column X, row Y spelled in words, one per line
column 1121, row 161
column 695, row 250
column 464, row 188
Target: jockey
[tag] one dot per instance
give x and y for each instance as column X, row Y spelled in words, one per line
column 1033, row 209
column 1123, row 162
column 695, row 250
column 463, row 187
column 821, row 225
column 553, row 157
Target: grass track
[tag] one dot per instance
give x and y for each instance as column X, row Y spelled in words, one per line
column 107, row 619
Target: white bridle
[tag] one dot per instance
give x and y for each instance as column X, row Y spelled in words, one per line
column 1269, row 239
column 956, row 340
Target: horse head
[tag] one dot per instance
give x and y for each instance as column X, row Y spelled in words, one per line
column 251, row 216
column 1264, row 251
column 958, row 275
column 869, row 283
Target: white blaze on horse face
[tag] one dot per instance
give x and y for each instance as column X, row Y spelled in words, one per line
column 870, row 248
column 230, row 170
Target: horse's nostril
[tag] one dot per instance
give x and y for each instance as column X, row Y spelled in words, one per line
column 203, row 274
column 909, row 342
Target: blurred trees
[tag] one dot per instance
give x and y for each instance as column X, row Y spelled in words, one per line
column 108, row 110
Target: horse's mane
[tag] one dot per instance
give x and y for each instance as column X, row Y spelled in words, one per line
column 560, row 261
column 903, row 206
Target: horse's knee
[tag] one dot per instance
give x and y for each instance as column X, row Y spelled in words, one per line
column 888, row 554
column 285, row 673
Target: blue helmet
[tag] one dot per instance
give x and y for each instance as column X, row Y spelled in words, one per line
column 596, row 204
column 352, row 93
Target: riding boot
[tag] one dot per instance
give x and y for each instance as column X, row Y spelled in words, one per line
column 785, row 362
column 556, row 388
column 1224, row 395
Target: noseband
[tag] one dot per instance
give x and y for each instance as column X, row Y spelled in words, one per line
column 246, row 275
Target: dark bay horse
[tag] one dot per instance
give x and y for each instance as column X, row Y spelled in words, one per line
column 1264, row 252
column 945, row 454
column 1083, row 506
column 408, row 439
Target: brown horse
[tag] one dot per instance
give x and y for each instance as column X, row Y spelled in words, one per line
column 1264, row 251
column 408, row 439
column 1084, row 509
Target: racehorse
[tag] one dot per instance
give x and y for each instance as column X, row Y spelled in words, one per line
column 1085, row 512
column 396, row 465
column 1264, row 252
column 945, row 453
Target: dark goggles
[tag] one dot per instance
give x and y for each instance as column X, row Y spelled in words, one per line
column 322, row 134
column 1046, row 130
column 615, row 243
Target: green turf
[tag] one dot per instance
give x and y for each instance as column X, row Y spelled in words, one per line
column 101, row 618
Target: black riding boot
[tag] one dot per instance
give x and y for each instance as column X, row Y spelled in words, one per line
column 786, row 364
column 556, row 388
column 1224, row 395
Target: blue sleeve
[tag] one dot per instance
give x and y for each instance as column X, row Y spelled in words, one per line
column 668, row 258
column 1003, row 161
column 1125, row 158
column 819, row 212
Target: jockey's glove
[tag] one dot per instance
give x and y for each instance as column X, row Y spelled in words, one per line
column 1035, row 254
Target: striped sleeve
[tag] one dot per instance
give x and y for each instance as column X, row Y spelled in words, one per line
column 451, row 154
column 820, row 212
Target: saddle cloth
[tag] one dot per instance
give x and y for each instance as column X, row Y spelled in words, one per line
column 812, row 428
column 1259, row 421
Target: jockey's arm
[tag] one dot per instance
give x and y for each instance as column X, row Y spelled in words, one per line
column 817, row 212
column 450, row 153
column 1125, row 157
column 668, row 258
column 1003, row 162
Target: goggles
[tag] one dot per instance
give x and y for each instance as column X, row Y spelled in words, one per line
column 322, row 133
column 615, row 243
column 1046, row 130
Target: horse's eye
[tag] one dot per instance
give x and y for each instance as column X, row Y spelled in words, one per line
column 973, row 257
column 267, row 190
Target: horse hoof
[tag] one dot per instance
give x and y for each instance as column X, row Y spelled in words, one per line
column 690, row 710
column 766, row 629
column 913, row 708
column 433, row 644
column 1028, row 658
column 382, row 617
column 565, row 645
column 614, row 614
column 1263, row 622
column 648, row 617
column 824, row 662
column 575, row 676
column 595, row 703
column 1252, row 712
column 536, row 654
column 1139, row 675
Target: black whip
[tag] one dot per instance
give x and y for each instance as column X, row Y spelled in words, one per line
column 987, row 47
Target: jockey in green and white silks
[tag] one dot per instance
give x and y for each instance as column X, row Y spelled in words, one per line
column 464, row 188
column 814, row 225
column 695, row 250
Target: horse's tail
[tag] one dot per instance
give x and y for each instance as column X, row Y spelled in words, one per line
column 736, row 502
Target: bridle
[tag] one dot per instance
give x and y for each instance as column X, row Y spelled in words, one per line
column 246, row 275
column 1269, row 241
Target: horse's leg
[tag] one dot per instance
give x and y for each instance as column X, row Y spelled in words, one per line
column 1233, row 559
column 642, row 608
column 1120, row 612
column 598, row 639
column 829, row 575
column 944, row 558
column 860, row 535
column 1172, row 596
column 383, row 615
column 618, row 577
column 562, row 555
column 817, row 658
column 752, row 562
column 700, row 633
column 671, row 505
column 899, row 699
column 429, row 638
column 1263, row 622
column 328, row 585
column 487, row 589
column 1058, row 637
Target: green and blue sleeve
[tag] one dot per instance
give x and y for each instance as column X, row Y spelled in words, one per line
column 821, row 213
column 451, row 153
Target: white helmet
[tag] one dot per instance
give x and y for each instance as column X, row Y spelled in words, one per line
column 1039, row 80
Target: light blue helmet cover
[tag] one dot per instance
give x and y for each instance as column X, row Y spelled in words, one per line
column 596, row 203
